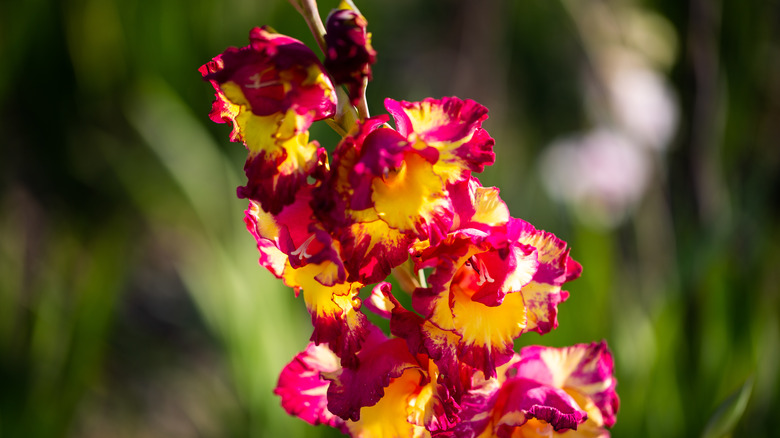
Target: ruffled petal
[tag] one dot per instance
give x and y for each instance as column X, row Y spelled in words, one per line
column 476, row 206
column 388, row 371
column 304, row 391
column 543, row 294
column 433, row 405
column 347, row 186
column 475, row 295
column 488, row 332
column 593, row 427
column 451, row 126
column 517, row 407
column 371, row 249
column 412, row 198
column 398, row 183
column 358, row 203
column 222, row 109
column 266, row 232
column 585, row 370
column 411, row 404
column 293, row 237
column 477, row 409
column 272, row 91
column 388, row 417
column 522, row 399
column 279, row 168
column 335, row 310
column 541, row 302
column 424, row 337
column 379, row 364
column 275, row 73
column 556, row 267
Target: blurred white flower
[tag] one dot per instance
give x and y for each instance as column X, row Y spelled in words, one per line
column 602, row 174
column 642, row 103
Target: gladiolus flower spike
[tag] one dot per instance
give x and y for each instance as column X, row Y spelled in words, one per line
column 400, row 199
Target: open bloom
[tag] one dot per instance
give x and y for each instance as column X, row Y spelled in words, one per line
column 392, row 393
column 369, row 246
column 389, row 187
column 403, row 174
column 452, row 128
column 296, row 249
column 271, row 91
column 546, row 392
column 490, row 283
column 302, row 388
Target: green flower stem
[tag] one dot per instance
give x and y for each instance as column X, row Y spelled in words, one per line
column 308, row 9
column 336, row 127
column 362, row 108
column 345, row 117
column 405, row 277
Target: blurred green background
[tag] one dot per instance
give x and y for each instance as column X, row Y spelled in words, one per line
column 646, row 133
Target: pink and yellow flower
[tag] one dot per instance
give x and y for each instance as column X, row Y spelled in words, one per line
column 545, row 392
column 490, row 283
column 392, row 393
column 584, row 371
column 327, row 232
column 304, row 391
column 271, row 91
column 369, row 246
column 294, row 248
column 452, row 128
column 389, row 187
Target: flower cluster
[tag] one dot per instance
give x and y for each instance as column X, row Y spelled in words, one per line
column 401, row 201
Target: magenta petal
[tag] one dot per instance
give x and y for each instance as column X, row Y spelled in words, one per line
column 344, row 337
column 381, row 151
column 294, row 222
column 478, row 152
column 292, row 235
column 370, row 257
column 423, row 337
column 521, row 399
column 477, row 408
column 304, row 391
column 318, row 248
column 267, row 185
column 556, row 267
column 500, row 408
column 332, row 200
column 573, row 270
column 378, row 303
column 485, row 358
column 258, row 68
column 402, row 122
column 450, row 125
column 478, row 276
column 586, row 368
column 458, row 118
column 271, row 257
column 352, row 389
column 546, row 307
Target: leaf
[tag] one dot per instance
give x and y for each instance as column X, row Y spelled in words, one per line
column 729, row 412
